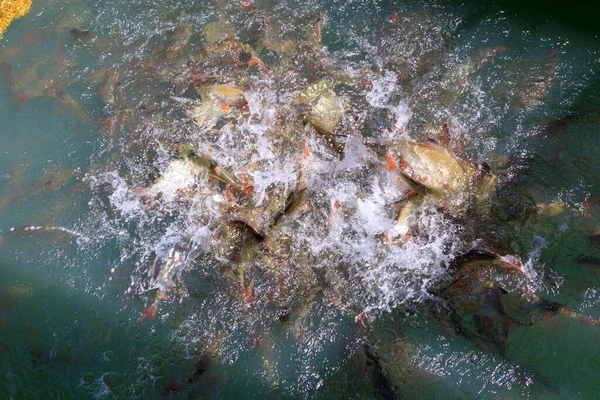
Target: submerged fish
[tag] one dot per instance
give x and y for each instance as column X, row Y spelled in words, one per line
column 217, row 31
column 14, row 294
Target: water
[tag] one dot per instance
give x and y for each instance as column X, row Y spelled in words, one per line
column 119, row 284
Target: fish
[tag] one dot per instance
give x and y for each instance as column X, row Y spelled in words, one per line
column 218, row 31
column 11, row 10
column 166, row 270
column 179, row 176
column 432, row 171
column 407, row 218
column 229, row 92
column 324, row 112
column 214, row 169
column 15, row 294
column 489, row 295
column 80, row 34
column 442, row 172
column 561, row 126
column 540, row 82
column 484, row 56
column 181, row 38
column 111, row 92
column 218, row 103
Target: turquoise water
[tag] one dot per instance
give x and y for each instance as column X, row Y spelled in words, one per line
column 79, row 247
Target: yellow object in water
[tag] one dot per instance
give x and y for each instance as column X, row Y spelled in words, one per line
column 12, row 9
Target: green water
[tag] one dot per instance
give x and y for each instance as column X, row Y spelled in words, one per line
column 72, row 291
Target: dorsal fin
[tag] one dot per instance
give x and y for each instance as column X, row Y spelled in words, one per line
column 249, row 225
column 445, row 136
column 472, row 255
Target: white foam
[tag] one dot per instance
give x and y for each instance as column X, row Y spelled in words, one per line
column 350, row 200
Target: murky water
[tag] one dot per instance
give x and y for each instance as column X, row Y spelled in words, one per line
column 201, row 200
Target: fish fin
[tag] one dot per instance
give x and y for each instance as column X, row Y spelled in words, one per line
column 214, row 169
column 294, row 199
column 472, row 255
column 252, row 228
column 306, row 150
column 415, row 185
column 390, row 162
column 404, row 223
column 513, row 262
column 445, row 136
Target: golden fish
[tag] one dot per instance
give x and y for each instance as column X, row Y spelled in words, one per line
column 228, row 92
column 12, row 9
